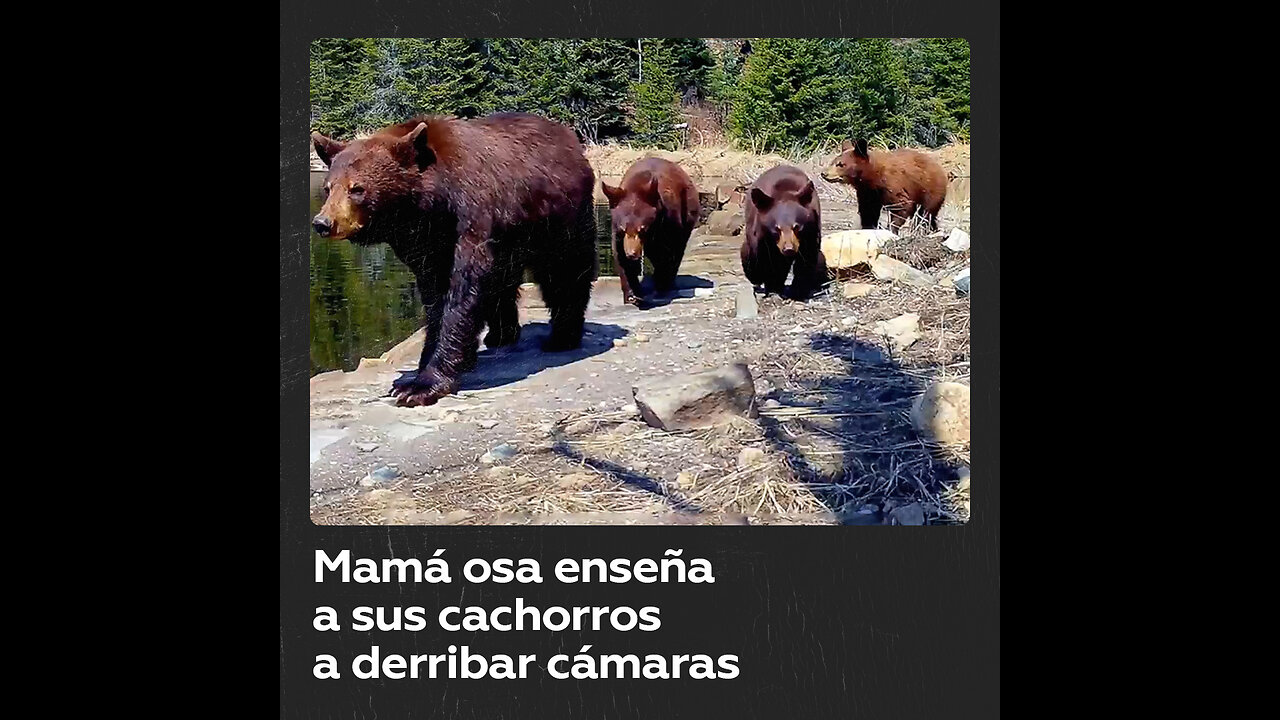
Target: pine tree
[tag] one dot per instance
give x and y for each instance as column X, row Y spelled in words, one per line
column 938, row 73
column 341, row 76
column 692, row 65
column 790, row 93
column 878, row 97
column 582, row 83
column 657, row 106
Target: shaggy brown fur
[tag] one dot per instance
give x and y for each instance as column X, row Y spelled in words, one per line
column 467, row 205
column 902, row 181
column 654, row 210
column 783, row 230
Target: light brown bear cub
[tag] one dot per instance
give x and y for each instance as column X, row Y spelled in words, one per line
column 901, row 181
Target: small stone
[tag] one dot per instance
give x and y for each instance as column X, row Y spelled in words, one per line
column 901, row 331
column 694, row 344
column 849, row 321
column 957, row 241
column 449, row 417
column 629, row 409
column 488, row 424
column 745, row 305
column 749, row 457
column 771, row 403
column 911, row 514
column 619, row 342
column 887, row 268
column 499, row 453
column 704, row 292
column 857, row 289
column 383, row 474
column 641, row 337
column 685, row 480
column 498, row 471
column 961, row 282
column 366, row 447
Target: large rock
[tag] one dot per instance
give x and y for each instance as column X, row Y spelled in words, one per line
column 941, row 414
column 886, row 268
column 848, row 249
column 724, row 222
column 696, row 400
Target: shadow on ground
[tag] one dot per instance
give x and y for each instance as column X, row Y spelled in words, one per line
column 858, row 452
column 625, row 476
column 517, row 362
column 686, row 286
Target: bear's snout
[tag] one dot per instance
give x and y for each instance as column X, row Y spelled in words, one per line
column 788, row 243
column 632, row 246
column 323, row 225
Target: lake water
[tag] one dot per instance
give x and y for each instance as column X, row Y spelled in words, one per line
column 364, row 300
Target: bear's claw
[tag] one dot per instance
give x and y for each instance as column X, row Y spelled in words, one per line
column 422, row 389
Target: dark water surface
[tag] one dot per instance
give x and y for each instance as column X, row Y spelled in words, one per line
column 364, row 300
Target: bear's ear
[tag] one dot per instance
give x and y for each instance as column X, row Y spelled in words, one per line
column 614, row 194
column 846, row 146
column 760, row 199
column 806, row 194
column 861, row 149
column 413, row 149
column 326, row 148
column 652, row 191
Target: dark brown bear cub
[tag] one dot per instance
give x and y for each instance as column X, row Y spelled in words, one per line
column 903, row 181
column 467, row 205
column 654, row 211
column 783, row 232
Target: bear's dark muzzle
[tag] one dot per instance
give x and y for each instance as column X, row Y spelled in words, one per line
column 323, row 225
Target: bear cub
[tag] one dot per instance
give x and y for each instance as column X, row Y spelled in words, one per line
column 903, row 181
column 783, row 233
column 653, row 212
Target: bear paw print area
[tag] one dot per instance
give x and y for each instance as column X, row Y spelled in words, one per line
column 714, row 403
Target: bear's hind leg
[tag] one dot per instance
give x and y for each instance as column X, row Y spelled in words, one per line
column 503, row 317
column 566, row 279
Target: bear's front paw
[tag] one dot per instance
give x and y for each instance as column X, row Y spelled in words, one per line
column 425, row 388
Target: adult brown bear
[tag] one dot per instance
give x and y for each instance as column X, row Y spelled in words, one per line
column 783, row 232
column 902, row 181
column 467, row 205
column 653, row 212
